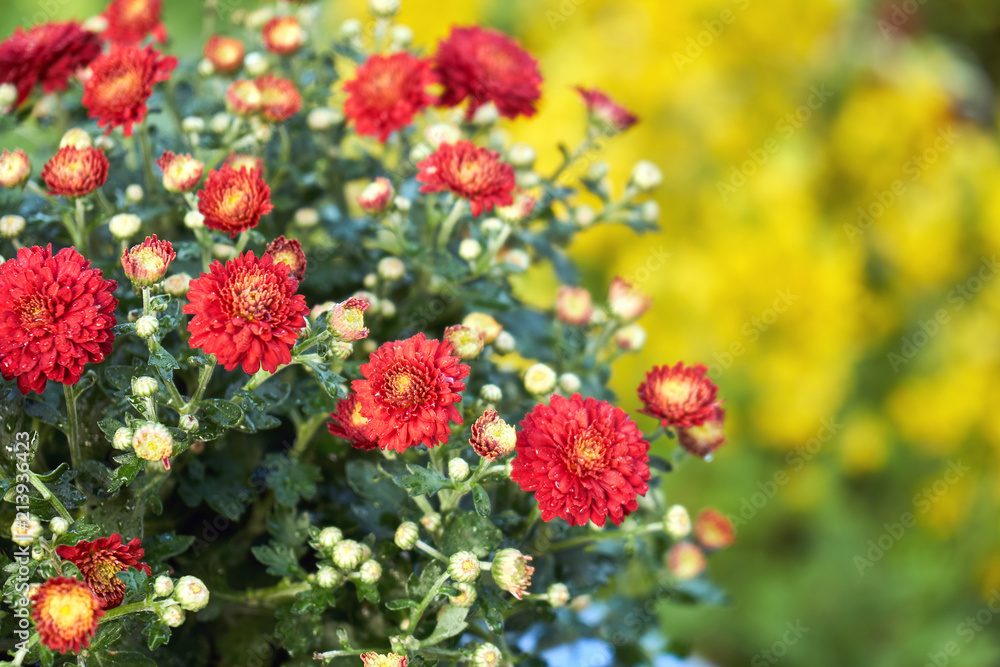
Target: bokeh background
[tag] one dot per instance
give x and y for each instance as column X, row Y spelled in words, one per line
column 831, row 211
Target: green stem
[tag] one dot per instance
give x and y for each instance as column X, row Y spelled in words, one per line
column 424, row 504
column 145, row 301
column 81, row 227
column 448, row 226
column 241, row 243
column 49, row 496
column 147, row 156
column 19, row 658
column 305, row 431
column 422, row 607
column 134, row 608
column 568, row 161
column 428, row 549
column 261, row 596
column 343, row 653
column 604, row 536
column 73, row 427
column 204, row 375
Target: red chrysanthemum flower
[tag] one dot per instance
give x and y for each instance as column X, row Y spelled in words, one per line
column 475, row 174
column 713, row 530
column 704, row 439
column 680, row 396
column 120, row 83
column 233, row 200
column 48, row 54
column 15, row 168
column 409, row 392
column 608, row 115
column 283, row 35
column 225, row 53
column 66, row 614
column 348, row 423
column 246, row 313
column 56, row 314
column 181, row 173
column 74, row 172
column 584, row 459
column 147, row 263
column 387, row 92
column 290, row 252
column 242, row 160
column 373, row 659
column 129, row 21
column 484, row 65
column 279, row 98
column 243, row 97
column 101, row 560
column 627, row 301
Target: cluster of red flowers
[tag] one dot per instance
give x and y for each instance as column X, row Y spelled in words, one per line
column 684, row 398
column 47, row 55
column 274, row 98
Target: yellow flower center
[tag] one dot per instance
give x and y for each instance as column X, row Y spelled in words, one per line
column 69, row 609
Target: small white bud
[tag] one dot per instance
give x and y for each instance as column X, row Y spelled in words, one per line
column 469, row 249
column 407, row 535
column 584, row 216
column 172, row 615
column 350, row 28
column 539, row 379
column 124, row 225
column 458, row 470
column 134, row 193
column 306, row 217
column 370, row 571
column 391, row 268
column 323, row 118
column 122, row 439
column 646, row 176
column 487, row 114
column 569, row 383
column 464, row 566
column 193, row 124
column 25, row 529
column 505, row 343
column 163, row 586
column 677, row 522
column 486, row 655
column 329, row 577
column 431, row 521
column 402, row 204
column 491, row 393
column 220, row 122
column 329, row 536
column 188, row 423
column 11, row 226
column 401, row 36
column 192, row 593
column 558, row 595
column 144, row 386
column 347, row 554
column 384, row 8
column 521, row 156
column 58, row 525
column 650, row 211
column 205, row 67
column 147, row 326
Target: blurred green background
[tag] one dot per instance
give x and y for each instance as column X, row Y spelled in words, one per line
column 831, row 211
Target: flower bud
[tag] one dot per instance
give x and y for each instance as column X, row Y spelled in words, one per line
column 144, row 386
column 521, row 156
column 584, row 216
column 329, row 577
column 505, row 343
column 372, row 659
column 466, row 595
column 511, row 571
column 420, row 152
column 329, row 536
column 458, row 470
column 407, row 535
column 134, row 193
column 223, row 251
column 574, row 305
column 181, row 173
column 347, row 554
column 470, row 249
column 153, row 442
column 539, row 379
column 194, row 220
column 486, row 655
column 569, row 383
column 685, row 561
column 431, row 522
column 346, row 321
column 205, row 67
column 11, row 226
column 188, row 423
column 25, row 529
column 177, row 284
column 76, row 138
column 646, row 176
column 631, row 338
column 220, row 122
column 463, row 566
column 339, row 349
column 146, row 264
column 255, row 63
column 650, row 211
column 172, row 616
column 487, row 114
column 323, row 118
column 376, row 196
column 401, row 36
column 193, row 124
column 677, row 522
column 491, row 393
column 15, row 168
column 519, row 211
column 122, row 439
column 492, row 437
column 705, row 439
column 466, row 342
column 598, row 170
column 124, row 225
column 626, row 301
column 350, row 28
column 402, row 204
column 58, row 525
column 370, row 571
column 442, row 133
column 191, row 592
column 713, row 530
column 258, row 17
column 163, row 586
column 558, row 595
column 8, row 95
column 384, row 9
column 391, row 268
column 485, row 323
column 147, row 326
column 306, row 217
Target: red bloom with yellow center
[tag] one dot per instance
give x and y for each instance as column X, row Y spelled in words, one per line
column 348, row 423
column 409, row 392
column 704, row 439
column 74, row 172
column 387, row 92
column 288, row 251
column 246, row 313
column 101, row 560
column 475, row 174
column 713, row 530
column 147, row 263
column 584, row 459
column 243, row 97
column 56, row 315
column 240, row 160
column 121, row 82
column 680, row 396
column 15, row 168
column 66, row 614
column 48, row 54
column 484, row 65
column 604, row 112
column 225, row 53
column 129, row 21
column 283, row 35
column 234, row 199
column 279, row 98
column 181, row 173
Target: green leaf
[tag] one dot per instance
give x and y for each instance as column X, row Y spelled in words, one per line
column 125, row 474
column 367, row 592
column 54, row 475
column 162, row 546
column 422, row 481
column 290, row 479
column 222, row 412
column 401, row 603
column 450, row 623
column 119, row 659
column 137, row 584
column 279, row 559
column 481, row 500
column 45, row 412
column 163, row 361
column 333, row 384
column 157, row 633
column 468, row 531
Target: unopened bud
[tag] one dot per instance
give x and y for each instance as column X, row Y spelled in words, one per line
column 407, row 535
column 558, row 595
column 122, row 439
column 192, row 593
column 147, row 326
column 163, row 586
column 58, row 525
column 144, row 386
column 458, row 470
column 539, row 379
column 370, row 571
column 464, row 566
column 347, row 554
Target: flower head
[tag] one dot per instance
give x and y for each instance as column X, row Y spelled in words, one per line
column 129, row 21
column 387, row 91
column 153, row 442
column 492, row 437
column 121, row 82
column 483, row 65
column 246, row 313
column 147, row 263
column 346, row 320
column 56, row 315
column 191, row 592
column 181, row 173
column 376, row 196
column 14, row 168
column 713, row 530
column 584, row 459
column 511, row 571
column 409, row 392
column 243, row 97
column 100, row 561
column 574, row 305
column 470, row 172
column 626, row 301
column 66, row 614
column 279, row 98
column 232, row 200
column 704, row 439
column 348, row 423
column 242, row 160
column 283, row 35
column 609, row 116
column 679, row 396
column 48, row 55
column 372, row 659
column 225, row 53
column 466, row 341
column 73, row 172
column 290, row 252
column 685, row 561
